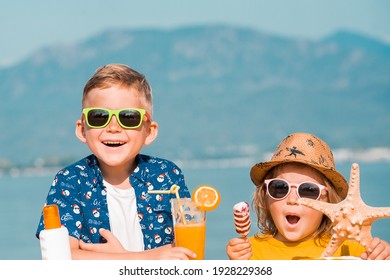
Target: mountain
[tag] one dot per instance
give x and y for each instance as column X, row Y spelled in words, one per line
column 219, row 92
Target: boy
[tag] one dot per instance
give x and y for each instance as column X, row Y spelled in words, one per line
column 104, row 197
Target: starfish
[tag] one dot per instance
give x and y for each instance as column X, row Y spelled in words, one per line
column 351, row 218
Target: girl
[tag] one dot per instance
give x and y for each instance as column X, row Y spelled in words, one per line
column 302, row 166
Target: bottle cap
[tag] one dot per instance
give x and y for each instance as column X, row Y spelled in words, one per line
column 51, row 216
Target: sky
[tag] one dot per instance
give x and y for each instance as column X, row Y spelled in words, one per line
column 26, row 26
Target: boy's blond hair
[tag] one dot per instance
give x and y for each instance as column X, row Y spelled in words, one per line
column 121, row 75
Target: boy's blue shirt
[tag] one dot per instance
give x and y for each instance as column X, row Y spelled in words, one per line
column 79, row 192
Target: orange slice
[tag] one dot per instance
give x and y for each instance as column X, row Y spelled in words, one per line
column 207, row 197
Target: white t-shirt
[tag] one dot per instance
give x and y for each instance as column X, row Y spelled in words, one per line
column 124, row 221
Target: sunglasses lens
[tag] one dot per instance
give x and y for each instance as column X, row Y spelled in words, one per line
column 97, row 117
column 309, row 190
column 130, row 118
column 278, row 189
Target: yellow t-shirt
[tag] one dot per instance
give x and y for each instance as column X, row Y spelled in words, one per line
column 273, row 249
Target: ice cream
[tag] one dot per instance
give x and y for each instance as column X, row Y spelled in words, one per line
column 242, row 219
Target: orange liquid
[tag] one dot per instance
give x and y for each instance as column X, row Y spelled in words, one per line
column 193, row 237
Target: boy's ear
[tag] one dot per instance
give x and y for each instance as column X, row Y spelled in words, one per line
column 80, row 131
column 152, row 133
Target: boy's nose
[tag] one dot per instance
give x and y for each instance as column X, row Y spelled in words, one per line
column 113, row 125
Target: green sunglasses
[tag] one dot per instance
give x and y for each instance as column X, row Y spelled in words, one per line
column 127, row 117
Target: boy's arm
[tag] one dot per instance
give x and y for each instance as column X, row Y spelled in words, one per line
column 113, row 250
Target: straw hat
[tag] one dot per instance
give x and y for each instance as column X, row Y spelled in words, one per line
column 307, row 149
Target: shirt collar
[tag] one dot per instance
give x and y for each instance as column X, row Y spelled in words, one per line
column 141, row 171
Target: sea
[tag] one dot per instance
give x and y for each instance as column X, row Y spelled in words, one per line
column 22, row 198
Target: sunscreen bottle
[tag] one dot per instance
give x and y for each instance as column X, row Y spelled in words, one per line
column 54, row 238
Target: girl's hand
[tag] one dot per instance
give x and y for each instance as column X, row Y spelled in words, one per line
column 239, row 249
column 378, row 250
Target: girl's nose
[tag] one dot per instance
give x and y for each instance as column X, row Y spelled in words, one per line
column 292, row 197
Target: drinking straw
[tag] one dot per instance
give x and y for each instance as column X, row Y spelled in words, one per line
column 173, row 190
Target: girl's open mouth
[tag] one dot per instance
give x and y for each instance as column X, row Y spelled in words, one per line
column 291, row 219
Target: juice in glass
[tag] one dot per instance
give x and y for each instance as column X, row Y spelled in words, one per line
column 189, row 226
column 191, row 236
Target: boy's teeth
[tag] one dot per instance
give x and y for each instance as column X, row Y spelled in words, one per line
column 112, row 143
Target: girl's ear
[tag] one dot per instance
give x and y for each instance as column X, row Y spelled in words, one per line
column 152, row 133
column 80, row 131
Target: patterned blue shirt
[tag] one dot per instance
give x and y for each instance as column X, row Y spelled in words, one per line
column 79, row 192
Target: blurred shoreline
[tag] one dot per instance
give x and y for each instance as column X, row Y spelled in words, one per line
column 41, row 168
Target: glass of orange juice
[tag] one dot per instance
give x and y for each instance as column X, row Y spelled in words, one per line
column 189, row 226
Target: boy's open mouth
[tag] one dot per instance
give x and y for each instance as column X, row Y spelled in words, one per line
column 291, row 219
column 113, row 144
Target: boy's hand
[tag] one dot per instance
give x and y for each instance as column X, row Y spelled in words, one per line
column 168, row 252
column 378, row 250
column 112, row 246
column 239, row 249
